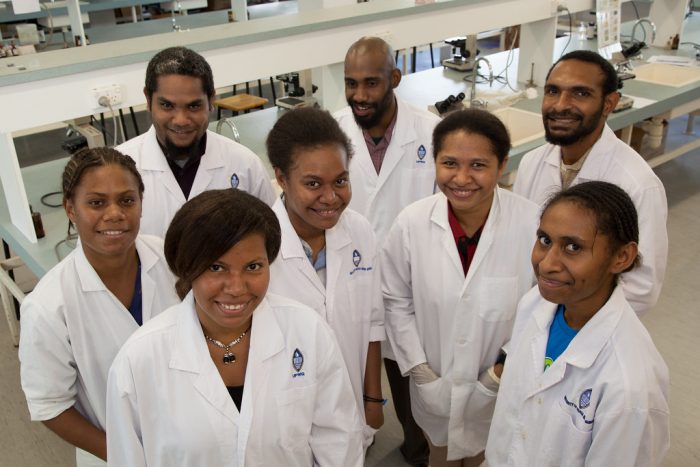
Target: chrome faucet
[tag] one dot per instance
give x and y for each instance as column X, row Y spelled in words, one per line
column 178, row 6
column 639, row 22
column 227, row 121
column 475, row 103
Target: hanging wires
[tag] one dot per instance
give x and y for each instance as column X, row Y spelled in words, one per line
column 118, row 129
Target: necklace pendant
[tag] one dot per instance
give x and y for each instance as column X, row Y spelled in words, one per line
column 229, row 358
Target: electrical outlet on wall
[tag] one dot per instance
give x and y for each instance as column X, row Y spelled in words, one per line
column 113, row 92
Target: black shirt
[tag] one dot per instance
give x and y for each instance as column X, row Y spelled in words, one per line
column 236, row 393
column 185, row 175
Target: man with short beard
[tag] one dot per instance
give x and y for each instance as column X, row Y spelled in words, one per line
column 392, row 167
column 580, row 92
column 178, row 157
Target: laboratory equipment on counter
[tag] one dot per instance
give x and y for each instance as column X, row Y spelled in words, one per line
column 299, row 90
column 450, row 104
column 464, row 60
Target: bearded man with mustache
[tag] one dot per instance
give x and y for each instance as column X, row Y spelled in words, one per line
column 392, row 167
column 580, row 92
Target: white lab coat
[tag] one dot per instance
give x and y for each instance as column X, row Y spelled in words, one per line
column 455, row 324
column 72, row 328
column 351, row 300
column 167, row 404
column 604, row 401
column 611, row 160
column 407, row 173
column 224, row 164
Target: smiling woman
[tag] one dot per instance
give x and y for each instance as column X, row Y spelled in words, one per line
column 598, row 391
column 328, row 255
column 84, row 309
column 472, row 242
column 233, row 375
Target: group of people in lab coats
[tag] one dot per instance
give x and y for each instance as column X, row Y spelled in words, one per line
column 244, row 328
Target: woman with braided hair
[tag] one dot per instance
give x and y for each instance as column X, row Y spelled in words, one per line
column 84, row 309
column 583, row 383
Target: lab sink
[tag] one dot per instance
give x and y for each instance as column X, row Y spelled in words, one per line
column 522, row 125
column 666, row 75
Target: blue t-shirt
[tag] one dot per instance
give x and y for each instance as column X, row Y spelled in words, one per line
column 560, row 335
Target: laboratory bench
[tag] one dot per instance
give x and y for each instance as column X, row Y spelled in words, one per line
column 421, row 89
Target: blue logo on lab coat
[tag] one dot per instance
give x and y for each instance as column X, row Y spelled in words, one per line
column 421, row 152
column 585, row 399
column 356, row 258
column 234, row 181
column 297, row 360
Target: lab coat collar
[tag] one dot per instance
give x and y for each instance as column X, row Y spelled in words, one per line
column 336, row 239
column 591, row 169
column 190, row 354
column 597, row 163
column 404, row 134
column 153, row 157
column 267, row 338
column 590, row 340
column 212, row 159
column 583, row 349
column 439, row 217
column 89, row 279
column 189, row 346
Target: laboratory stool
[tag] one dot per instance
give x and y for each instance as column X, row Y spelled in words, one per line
column 239, row 103
column 8, row 289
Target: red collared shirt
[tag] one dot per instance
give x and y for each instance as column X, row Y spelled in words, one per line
column 466, row 246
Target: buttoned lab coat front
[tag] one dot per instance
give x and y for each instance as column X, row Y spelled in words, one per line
column 225, row 164
column 168, row 406
column 604, row 401
column 407, row 173
column 455, row 324
column 351, row 300
column 611, row 160
column 73, row 327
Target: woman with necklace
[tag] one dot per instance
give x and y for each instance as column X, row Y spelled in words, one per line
column 232, row 375
column 84, row 309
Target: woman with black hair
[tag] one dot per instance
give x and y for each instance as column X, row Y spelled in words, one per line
column 84, row 309
column 232, row 375
column 328, row 253
column 453, row 269
column 583, row 383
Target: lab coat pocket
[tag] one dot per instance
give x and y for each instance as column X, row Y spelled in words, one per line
column 294, row 416
column 567, row 444
column 478, row 411
column 435, row 397
column 498, row 298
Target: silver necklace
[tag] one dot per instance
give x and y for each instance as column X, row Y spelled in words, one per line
column 229, row 356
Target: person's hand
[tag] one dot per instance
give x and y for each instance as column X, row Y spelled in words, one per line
column 498, row 369
column 374, row 414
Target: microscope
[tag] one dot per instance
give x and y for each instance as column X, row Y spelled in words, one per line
column 298, row 89
column 464, row 60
